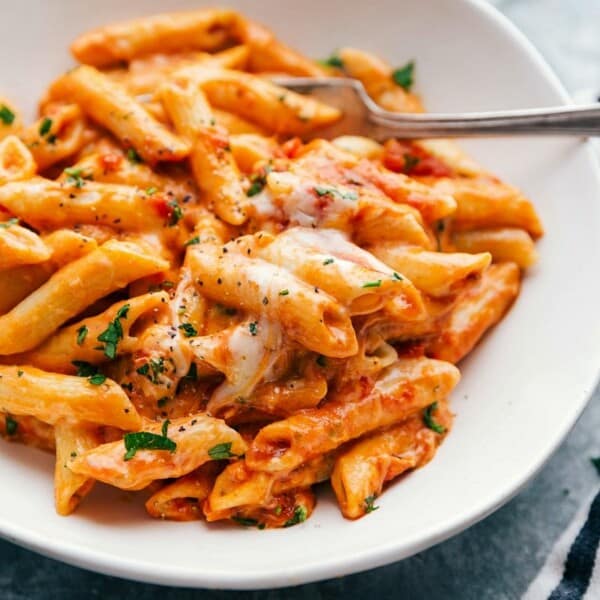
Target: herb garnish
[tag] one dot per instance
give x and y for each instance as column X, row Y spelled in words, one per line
column 97, row 379
column 188, row 330
column 7, row 116
column 429, row 421
column 397, row 277
column 333, row 192
column 332, row 61
column 133, row 156
column 11, row 425
column 176, row 213
column 151, row 191
column 370, row 503
column 245, row 522
column 7, row 224
column 256, row 187
column 300, row 514
column 81, row 334
column 192, row 241
column 404, row 76
column 85, row 369
column 222, row 451
column 372, row 284
column 144, row 440
column 113, row 333
column 328, row 261
column 284, row 292
column 45, row 126
column 410, row 162
column 253, row 328
column 75, row 176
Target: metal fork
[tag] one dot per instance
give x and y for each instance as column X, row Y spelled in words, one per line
column 361, row 116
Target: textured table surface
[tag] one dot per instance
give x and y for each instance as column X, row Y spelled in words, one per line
column 496, row 558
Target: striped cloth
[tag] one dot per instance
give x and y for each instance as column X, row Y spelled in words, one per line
column 572, row 570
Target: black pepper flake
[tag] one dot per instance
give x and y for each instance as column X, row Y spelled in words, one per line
column 225, row 251
column 265, row 301
column 182, row 428
column 219, row 281
column 194, row 421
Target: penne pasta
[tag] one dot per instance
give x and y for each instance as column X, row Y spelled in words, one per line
column 402, row 389
column 16, row 161
column 20, row 246
column 198, row 439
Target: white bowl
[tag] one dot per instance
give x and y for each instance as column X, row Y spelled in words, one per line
column 522, row 389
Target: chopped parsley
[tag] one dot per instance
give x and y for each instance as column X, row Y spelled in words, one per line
column 188, row 330
column 397, row 277
column 113, row 333
column 193, row 241
column 11, row 425
column 81, row 334
column 7, row 116
column 253, row 328
column 9, row 223
column 221, row 451
column 144, row 440
column 152, row 369
column 300, row 514
column 75, row 176
column 332, row 61
column 328, row 261
column 246, row 522
column 45, row 126
column 370, row 503
column 133, row 157
column 284, row 292
column 192, row 374
column 162, row 402
column 85, row 369
column 20, row 372
column 151, row 191
column 372, row 284
column 256, row 187
column 97, row 379
column 176, row 213
column 410, row 162
column 430, row 422
column 404, row 76
column 144, row 369
column 333, row 192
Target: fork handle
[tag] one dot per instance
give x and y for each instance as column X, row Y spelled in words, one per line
column 567, row 120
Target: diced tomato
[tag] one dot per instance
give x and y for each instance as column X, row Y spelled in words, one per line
column 161, row 205
column 404, row 157
column 291, row 147
column 110, row 162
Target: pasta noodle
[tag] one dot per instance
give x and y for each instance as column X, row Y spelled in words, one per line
column 197, row 303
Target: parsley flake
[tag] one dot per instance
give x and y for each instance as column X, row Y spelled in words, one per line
column 84, row 369
column 188, row 330
column 97, row 379
column 253, row 328
column 75, row 176
column 193, row 241
column 256, row 187
column 332, row 61
column 300, row 515
column 81, row 334
column 333, row 192
column 9, row 223
column 370, row 503
column 397, row 277
column 404, row 76
column 176, row 213
column 410, row 162
column 45, row 126
column 372, row 284
column 221, row 451
column 7, row 116
column 11, row 425
column 151, row 191
column 284, row 292
column 144, row 440
column 430, row 422
column 113, row 333
column 20, row 372
column 328, row 261
column 246, row 522
column 133, row 157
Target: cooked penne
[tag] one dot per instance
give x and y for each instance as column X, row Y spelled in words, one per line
column 206, row 30
column 70, row 290
column 361, row 471
column 79, row 342
column 109, row 104
column 20, row 246
column 46, row 204
column 10, row 119
column 72, row 439
column 435, row 273
column 50, row 397
column 197, row 440
column 504, row 244
column 16, row 161
column 29, row 431
column 311, row 317
column 212, row 162
column 481, row 307
column 401, row 390
column 274, row 108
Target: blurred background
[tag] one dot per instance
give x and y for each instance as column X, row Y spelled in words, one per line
column 494, row 560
